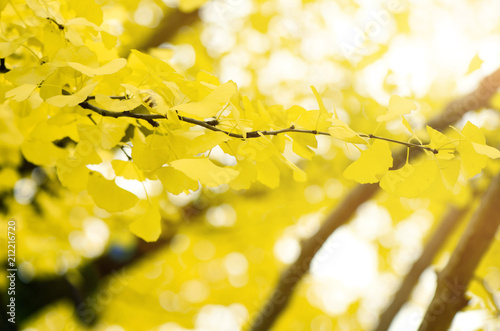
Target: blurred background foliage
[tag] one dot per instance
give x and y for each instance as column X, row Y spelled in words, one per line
column 221, row 250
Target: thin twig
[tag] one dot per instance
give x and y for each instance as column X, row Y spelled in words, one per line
column 91, row 119
column 117, row 97
column 124, row 152
column 433, row 150
column 211, row 125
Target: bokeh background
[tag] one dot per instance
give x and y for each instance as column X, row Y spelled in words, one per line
column 222, row 250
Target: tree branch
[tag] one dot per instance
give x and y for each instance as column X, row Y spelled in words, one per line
column 293, row 274
column 37, row 294
column 436, row 241
column 173, row 20
column 3, row 68
column 211, row 125
column 360, row 194
column 454, row 279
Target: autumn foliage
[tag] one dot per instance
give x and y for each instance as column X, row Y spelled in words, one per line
column 154, row 195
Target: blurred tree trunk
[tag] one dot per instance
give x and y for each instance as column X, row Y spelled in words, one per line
column 454, row 279
column 436, row 241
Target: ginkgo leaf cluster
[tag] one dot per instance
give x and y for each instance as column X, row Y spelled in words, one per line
column 171, row 122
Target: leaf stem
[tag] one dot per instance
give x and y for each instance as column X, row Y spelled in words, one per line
column 433, row 150
column 128, row 157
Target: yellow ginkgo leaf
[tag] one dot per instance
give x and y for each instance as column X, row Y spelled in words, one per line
column 117, row 105
column 411, row 180
column 312, row 119
column 151, row 155
column 252, row 149
column 108, row 196
column 21, row 92
column 107, row 134
column 205, row 171
column 441, row 143
column 450, row 170
column 148, row 226
column 474, row 152
column 73, row 174
column 237, row 112
column 153, row 65
column 476, row 137
column 42, row 152
column 407, row 126
column 372, row 164
column 207, row 141
column 299, row 175
column 321, row 105
column 175, row 181
column 473, row 133
column 248, row 175
column 475, row 64
column 398, row 106
column 7, row 47
column 268, row 174
column 342, row 131
column 486, row 150
column 472, row 161
column 212, row 103
column 80, row 54
column 72, row 99
column 72, row 171
column 37, row 8
column 81, row 21
column 127, row 170
column 107, row 69
column 301, row 144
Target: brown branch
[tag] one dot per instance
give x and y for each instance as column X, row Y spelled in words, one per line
column 211, row 125
column 360, row 194
column 437, row 240
column 454, row 279
column 37, row 294
column 172, row 22
column 291, row 276
column 3, row 68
